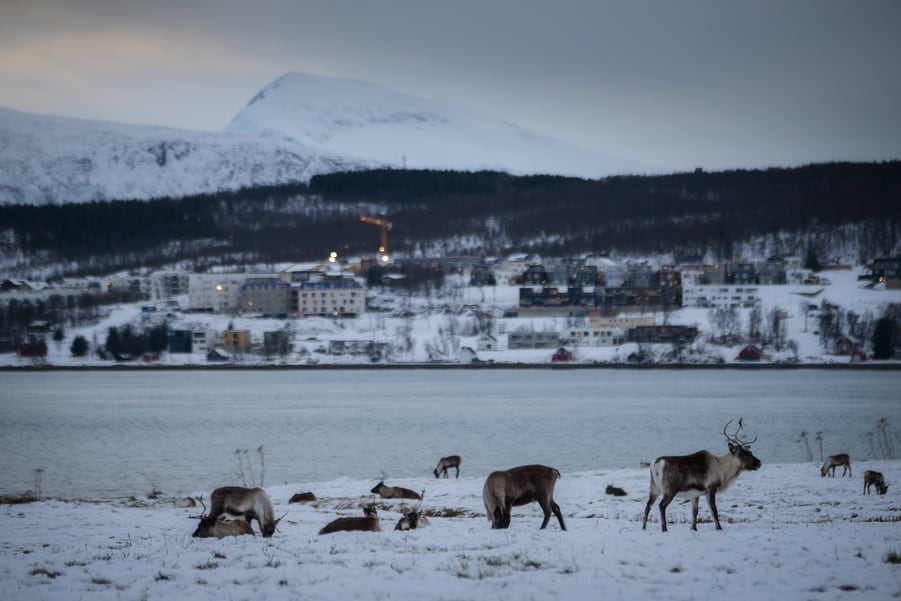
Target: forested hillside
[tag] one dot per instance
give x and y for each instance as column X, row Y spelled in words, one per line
column 462, row 213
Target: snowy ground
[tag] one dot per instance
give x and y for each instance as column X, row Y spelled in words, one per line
column 788, row 534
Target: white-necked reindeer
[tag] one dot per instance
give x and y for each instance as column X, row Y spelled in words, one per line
column 216, row 527
column 412, row 520
column 701, row 473
column 445, row 463
column 250, row 503
column 517, row 486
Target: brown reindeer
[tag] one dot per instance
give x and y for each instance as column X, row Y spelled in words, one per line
column 251, row 503
column 368, row 523
column 214, row 527
column 871, row 478
column 445, row 463
column 394, row 492
column 520, row 486
column 701, row 473
column 833, row 461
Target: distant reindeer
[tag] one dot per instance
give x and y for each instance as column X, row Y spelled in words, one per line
column 214, row 527
column 445, row 463
column 412, row 520
column 615, row 491
column 871, row 478
column 394, row 492
column 251, row 503
column 833, row 461
column 368, row 523
column 701, row 473
column 519, row 486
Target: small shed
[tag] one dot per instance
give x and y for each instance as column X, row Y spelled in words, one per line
column 750, row 353
column 218, row 355
column 562, row 355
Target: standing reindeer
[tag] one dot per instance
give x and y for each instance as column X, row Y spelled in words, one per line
column 215, row 527
column 701, row 473
column 445, row 463
column 251, row 503
column 871, row 478
column 833, row 461
column 520, row 486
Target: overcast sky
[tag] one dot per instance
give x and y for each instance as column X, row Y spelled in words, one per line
column 674, row 84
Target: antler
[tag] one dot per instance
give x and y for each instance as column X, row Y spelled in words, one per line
column 202, row 513
column 735, row 438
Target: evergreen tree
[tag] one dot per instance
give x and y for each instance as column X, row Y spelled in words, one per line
column 811, row 262
column 79, row 347
column 882, row 338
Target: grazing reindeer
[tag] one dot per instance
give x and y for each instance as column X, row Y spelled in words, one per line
column 394, row 492
column 251, row 503
column 368, row 523
column 445, row 463
column 871, row 478
column 520, row 486
column 697, row 474
column 833, row 461
column 215, row 527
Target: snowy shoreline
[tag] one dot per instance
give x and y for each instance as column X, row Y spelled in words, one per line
column 787, row 533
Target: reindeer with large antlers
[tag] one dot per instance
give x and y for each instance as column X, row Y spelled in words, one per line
column 215, row 527
column 701, row 473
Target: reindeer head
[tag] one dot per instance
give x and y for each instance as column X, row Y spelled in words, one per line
column 206, row 522
column 741, row 449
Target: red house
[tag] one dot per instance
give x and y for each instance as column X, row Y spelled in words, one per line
column 750, row 353
column 562, row 355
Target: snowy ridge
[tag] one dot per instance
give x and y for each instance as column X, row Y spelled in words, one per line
column 361, row 119
column 46, row 159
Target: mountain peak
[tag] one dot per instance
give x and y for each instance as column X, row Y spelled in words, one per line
column 365, row 120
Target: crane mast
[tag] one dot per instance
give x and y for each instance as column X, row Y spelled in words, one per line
column 385, row 226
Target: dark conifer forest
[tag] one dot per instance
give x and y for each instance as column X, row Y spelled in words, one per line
column 475, row 214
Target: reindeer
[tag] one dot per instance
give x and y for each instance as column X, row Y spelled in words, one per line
column 394, row 492
column 871, row 478
column 519, row 486
column 251, row 503
column 833, row 461
column 211, row 526
column 412, row 520
column 445, row 463
column 700, row 473
column 368, row 523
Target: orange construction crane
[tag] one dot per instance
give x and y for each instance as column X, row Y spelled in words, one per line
column 385, row 225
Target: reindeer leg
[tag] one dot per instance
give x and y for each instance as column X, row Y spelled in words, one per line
column 547, row 516
column 559, row 514
column 458, row 472
column 711, row 500
column 663, row 503
column 694, row 512
column 647, row 508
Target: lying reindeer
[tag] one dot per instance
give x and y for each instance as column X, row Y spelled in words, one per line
column 445, row 463
column 871, row 478
column 412, row 521
column 215, row 527
column 701, row 473
column 833, row 461
column 251, row 503
column 520, row 486
column 394, row 492
column 368, row 523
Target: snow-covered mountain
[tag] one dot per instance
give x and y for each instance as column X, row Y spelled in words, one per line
column 296, row 127
column 361, row 119
column 47, row 159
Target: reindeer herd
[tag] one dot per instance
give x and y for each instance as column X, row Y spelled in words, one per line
column 672, row 476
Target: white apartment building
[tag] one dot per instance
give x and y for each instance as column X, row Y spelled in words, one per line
column 215, row 292
column 330, row 297
column 720, row 296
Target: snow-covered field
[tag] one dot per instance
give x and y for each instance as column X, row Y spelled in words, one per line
column 787, row 534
